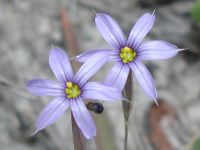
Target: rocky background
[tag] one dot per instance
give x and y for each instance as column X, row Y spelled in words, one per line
column 28, row 28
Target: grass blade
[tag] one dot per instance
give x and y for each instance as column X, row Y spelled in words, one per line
column 127, row 106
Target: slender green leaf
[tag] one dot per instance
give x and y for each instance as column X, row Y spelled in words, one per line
column 196, row 12
column 128, row 94
column 196, row 144
column 127, row 106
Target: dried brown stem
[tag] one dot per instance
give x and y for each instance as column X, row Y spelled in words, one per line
column 71, row 43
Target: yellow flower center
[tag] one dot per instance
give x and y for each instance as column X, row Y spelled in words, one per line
column 127, row 55
column 72, row 90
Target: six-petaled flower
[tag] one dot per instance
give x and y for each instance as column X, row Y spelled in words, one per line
column 70, row 90
column 128, row 53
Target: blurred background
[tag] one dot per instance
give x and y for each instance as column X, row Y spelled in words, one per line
column 28, row 28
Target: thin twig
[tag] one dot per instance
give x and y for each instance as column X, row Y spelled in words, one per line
column 71, row 43
column 69, row 36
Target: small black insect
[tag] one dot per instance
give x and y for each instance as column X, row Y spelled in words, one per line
column 95, row 107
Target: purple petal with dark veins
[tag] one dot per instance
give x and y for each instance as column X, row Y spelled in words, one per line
column 110, row 30
column 60, row 65
column 140, row 30
column 100, row 91
column 43, row 87
column 51, row 113
column 155, row 50
column 86, row 55
column 83, row 118
column 118, row 75
column 144, row 79
column 89, row 68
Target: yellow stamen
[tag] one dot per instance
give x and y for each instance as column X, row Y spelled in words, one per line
column 72, row 90
column 127, row 54
column 126, row 49
column 69, row 84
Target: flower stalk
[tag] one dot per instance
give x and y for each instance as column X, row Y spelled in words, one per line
column 72, row 89
column 70, row 40
column 127, row 106
column 78, row 138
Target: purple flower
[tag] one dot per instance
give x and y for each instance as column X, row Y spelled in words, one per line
column 71, row 90
column 128, row 53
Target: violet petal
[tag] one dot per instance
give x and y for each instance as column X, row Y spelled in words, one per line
column 83, row 118
column 86, row 55
column 60, row 65
column 100, row 91
column 140, row 30
column 118, row 75
column 43, row 87
column 110, row 30
column 90, row 67
column 155, row 50
column 51, row 113
column 144, row 79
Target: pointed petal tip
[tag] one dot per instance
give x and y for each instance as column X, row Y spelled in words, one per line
column 141, row 28
column 156, row 103
column 30, row 83
column 99, row 13
column 155, row 100
column 73, row 58
column 153, row 13
column 60, row 64
column 94, row 11
column 35, row 132
column 158, row 50
column 28, row 86
column 77, row 58
column 155, row 97
column 89, row 53
column 124, row 99
column 53, row 46
column 54, row 49
column 110, row 30
column 89, row 137
column 183, row 49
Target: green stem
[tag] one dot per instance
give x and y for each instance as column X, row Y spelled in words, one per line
column 126, row 136
column 78, row 138
column 127, row 106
